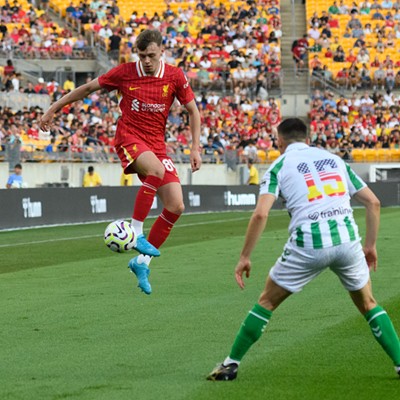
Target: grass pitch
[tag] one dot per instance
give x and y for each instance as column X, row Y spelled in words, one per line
column 73, row 325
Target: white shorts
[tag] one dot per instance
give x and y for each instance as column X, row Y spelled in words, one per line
column 298, row 266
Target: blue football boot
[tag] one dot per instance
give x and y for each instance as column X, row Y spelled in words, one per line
column 142, row 271
column 144, row 247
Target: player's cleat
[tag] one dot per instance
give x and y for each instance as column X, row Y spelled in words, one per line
column 144, row 247
column 223, row 373
column 142, row 271
column 397, row 368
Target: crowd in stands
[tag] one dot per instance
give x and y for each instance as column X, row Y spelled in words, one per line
column 29, row 32
column 364, row 121
column 224, row 45
column 231, row 123
column 354, row 45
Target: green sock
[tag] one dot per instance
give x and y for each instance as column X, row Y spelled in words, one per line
column 384, row 332
column 250, row 331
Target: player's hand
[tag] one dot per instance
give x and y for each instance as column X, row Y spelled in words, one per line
column 243, row 266
column 372, row 257
column 195, row 160
column 46, row 121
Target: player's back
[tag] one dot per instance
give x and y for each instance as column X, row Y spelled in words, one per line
column 317, row 187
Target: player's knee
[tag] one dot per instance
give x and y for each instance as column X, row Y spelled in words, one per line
column 177, row 209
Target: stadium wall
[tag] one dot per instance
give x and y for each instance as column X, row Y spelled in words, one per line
column 71, row 174
column 25, row 208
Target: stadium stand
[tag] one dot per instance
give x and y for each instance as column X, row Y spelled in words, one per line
column 357, row 44
column 230, row 52
column 366, row 127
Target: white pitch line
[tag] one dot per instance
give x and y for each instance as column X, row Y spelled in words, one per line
column 92, row 236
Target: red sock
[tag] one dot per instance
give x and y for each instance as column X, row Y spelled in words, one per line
column 145, row 197
column 162, row 227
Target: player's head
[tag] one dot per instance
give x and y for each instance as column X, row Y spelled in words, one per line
column 291, row 130
column 91, row 170
column 149, row 50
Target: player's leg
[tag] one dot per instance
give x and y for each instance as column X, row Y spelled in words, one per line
column 294, row 269
column 379, row 321
column 172, row 199
column 170, row 192
column 352, row 269
column 251, row 330
column 151, row 171
column 136, row 157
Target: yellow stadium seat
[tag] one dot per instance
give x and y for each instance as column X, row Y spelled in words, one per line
column 370, row 155
column 272, row 155
column 262, row 156
column 395, row 155
column 358, row 155
column 383, row 155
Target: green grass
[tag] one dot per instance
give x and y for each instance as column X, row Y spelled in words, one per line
column 73, row 325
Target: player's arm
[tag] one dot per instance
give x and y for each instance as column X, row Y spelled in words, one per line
column 255, row 228
column 77, row 94
column 194, row 122
column 372, row 206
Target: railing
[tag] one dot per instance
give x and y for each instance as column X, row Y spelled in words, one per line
column 17, row 100
column 84, row 53
column 32, row 152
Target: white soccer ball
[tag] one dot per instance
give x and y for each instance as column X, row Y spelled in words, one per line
column 120, row 236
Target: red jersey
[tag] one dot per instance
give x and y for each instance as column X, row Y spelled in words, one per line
column 145, row 101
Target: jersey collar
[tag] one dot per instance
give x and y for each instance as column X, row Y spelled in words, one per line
column 158, row 74
column 296, row 146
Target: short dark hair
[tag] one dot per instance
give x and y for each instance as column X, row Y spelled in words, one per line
column 18, row 166
column 293, row 130
column 90, row 169
column 146, row 37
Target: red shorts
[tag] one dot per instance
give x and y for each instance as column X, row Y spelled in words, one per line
column 129, row 153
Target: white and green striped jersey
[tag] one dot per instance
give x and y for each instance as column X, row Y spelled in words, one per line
column 317, row 187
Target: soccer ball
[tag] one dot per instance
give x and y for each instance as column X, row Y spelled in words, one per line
column 120, row 236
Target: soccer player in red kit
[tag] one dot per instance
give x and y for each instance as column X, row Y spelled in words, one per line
column 146, row 89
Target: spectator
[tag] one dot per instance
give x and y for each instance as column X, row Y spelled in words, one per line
column 69, row 84
column 9, row 69
column 15, row 180
column 91, row 178
column 253, row 178
column 210, row 150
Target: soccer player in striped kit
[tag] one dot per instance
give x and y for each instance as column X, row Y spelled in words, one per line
column 317, row 187
column 146, row 90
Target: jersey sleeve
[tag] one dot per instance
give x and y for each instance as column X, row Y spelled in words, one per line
column 183, row 91
column 354, row 182
column 270, row 181
column 112, row 79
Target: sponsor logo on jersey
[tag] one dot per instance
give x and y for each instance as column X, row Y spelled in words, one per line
column 330, row 213
column 32, row 209
column 165, row 90
column 149, row 107
column 133, row 88
column 135, row 105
